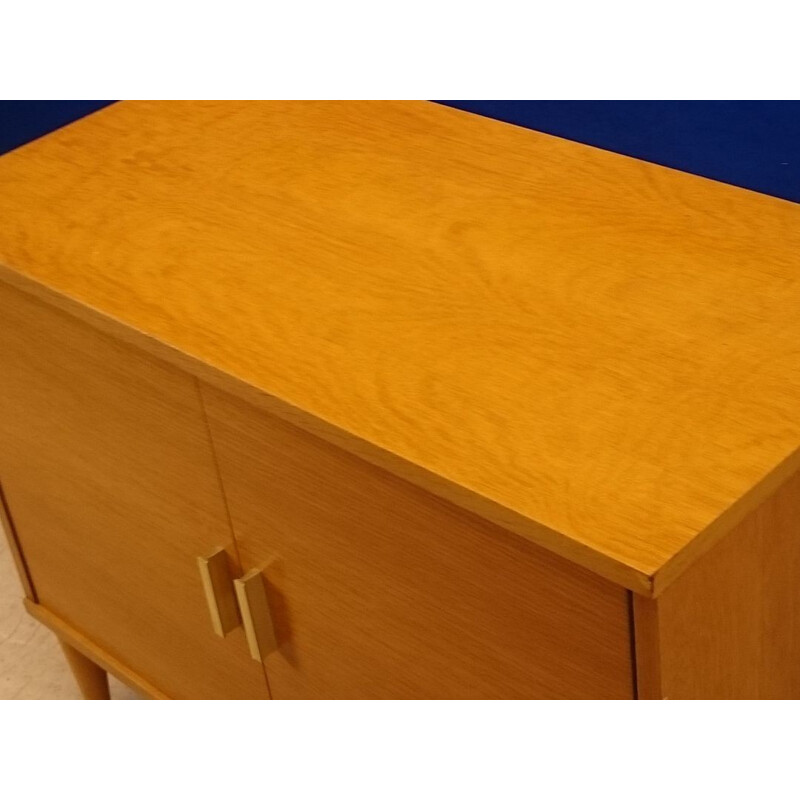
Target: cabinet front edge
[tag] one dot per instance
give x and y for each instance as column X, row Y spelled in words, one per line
column 619, row 572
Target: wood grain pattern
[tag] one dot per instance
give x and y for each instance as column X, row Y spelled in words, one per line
column 109, row 476
column 598, row 353
column 32, row 665
column 729, row 627
column 379, row 590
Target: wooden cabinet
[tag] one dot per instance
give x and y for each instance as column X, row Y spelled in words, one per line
column 109, row 479
column 376, row 589
column 469, row 410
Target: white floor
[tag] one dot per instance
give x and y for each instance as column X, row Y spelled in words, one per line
column 31, row 664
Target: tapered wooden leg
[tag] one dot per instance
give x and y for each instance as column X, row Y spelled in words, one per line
column 91, row 679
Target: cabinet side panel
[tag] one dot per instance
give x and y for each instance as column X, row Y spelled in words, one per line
column 780, row 524
column 729, row 627
column 380, row 590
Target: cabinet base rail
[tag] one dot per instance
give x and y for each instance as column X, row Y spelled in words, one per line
column 76, row 640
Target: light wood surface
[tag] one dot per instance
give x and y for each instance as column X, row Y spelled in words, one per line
column 593, row 351
column 109, row 477
column 378, row 590
column 83, row 644
column 32, row 665
column 217, row 579
column 91, row 678
column 729, row 627
column 256, row 614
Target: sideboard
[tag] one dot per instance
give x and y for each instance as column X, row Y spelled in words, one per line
column 389, row 400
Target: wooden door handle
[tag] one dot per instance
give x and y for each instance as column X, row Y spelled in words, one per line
column 215, row 573
column 256, row 616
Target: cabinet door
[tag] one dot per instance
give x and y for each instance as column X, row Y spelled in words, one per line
column 379, row 590
column 109, row 476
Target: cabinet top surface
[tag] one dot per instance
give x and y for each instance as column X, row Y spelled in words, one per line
column 604, row 347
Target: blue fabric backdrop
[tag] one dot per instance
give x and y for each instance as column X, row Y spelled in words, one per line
column 755, row 144
column 24, row 120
